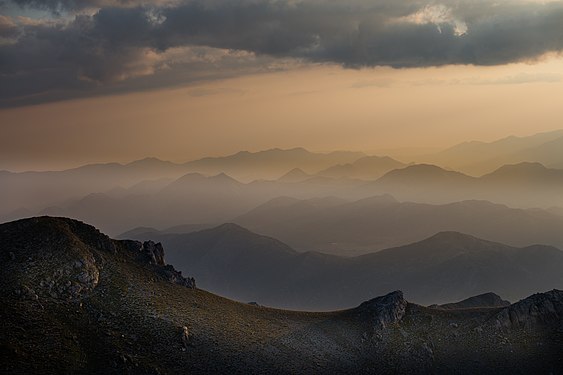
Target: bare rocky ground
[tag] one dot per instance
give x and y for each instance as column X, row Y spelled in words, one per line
column 75, row 301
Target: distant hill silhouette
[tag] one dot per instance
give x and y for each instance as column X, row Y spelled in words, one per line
column 237, row 263
column 520, row 185
column 526, row 173
column 270, row 164
column 295, row 175
column 339, row 227
column 482, row 300
column 478, row 158
column 35, row 191
column 41, row 189
column 366, row 168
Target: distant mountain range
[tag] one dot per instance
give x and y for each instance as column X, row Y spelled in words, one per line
column 40, row 189
column 270, row 164
column 33, row 190
column 478, row 158
column 75, row 301
column 520, row 185
column 236, row 263
column 156, row 193
column 191, row 199
column 351, row 228
column 366, row 168
column 196, row 199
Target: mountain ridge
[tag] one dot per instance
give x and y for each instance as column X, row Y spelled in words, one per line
column 446, row 266
column 130, row 319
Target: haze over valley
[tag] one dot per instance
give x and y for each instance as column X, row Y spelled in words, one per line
column 281, row 187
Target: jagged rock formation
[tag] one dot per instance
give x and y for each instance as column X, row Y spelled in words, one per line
column 539, row 310
column 386, row 310
column 153, row 253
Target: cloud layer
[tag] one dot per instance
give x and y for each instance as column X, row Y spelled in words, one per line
column 103, row 43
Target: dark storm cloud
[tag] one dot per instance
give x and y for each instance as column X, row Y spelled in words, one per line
column 123, row 41
column 60, row 6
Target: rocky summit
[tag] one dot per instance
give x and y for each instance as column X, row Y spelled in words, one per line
column 76, row 301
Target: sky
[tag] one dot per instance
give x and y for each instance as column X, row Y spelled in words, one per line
column 119, row 80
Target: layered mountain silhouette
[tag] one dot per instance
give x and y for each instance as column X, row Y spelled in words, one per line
column 366, row 168
column 295, row 175
column 350, row 228
column 75, row 301
column 521, row 185
column 478, row 158
column 41, row 189
column 194, row 198
column 239, row 264
column 191, row 199
column 270, row 164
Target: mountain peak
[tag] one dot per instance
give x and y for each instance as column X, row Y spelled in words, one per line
column 460, row 240
column 294, row 175
column 489, row 299
column 523, row 166
column 223, row 177
column 230, row 227
column 148, row 160
column 423, row 172
column 533, row 171
column 450, row 235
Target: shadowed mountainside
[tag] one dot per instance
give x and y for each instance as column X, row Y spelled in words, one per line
column 129, row 316
column 351, row 228
column 234, row 262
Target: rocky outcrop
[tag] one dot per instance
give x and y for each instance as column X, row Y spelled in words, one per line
column 170, row 274
column 152, row 254
column 148, row 251
column 542, row 309
column 385, row 310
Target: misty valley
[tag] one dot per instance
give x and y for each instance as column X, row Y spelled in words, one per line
column 395, row 258
column 300, row 187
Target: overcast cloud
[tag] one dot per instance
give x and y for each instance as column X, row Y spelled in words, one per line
column 89, row 46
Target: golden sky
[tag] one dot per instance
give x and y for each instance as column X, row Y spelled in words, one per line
column 319, row 107
column 110, row 80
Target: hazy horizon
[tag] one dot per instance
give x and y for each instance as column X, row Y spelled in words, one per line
column 281, row 186
column 366, row 76
column 406, row 154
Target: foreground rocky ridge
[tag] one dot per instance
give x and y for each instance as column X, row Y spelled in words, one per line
column 125, row 311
